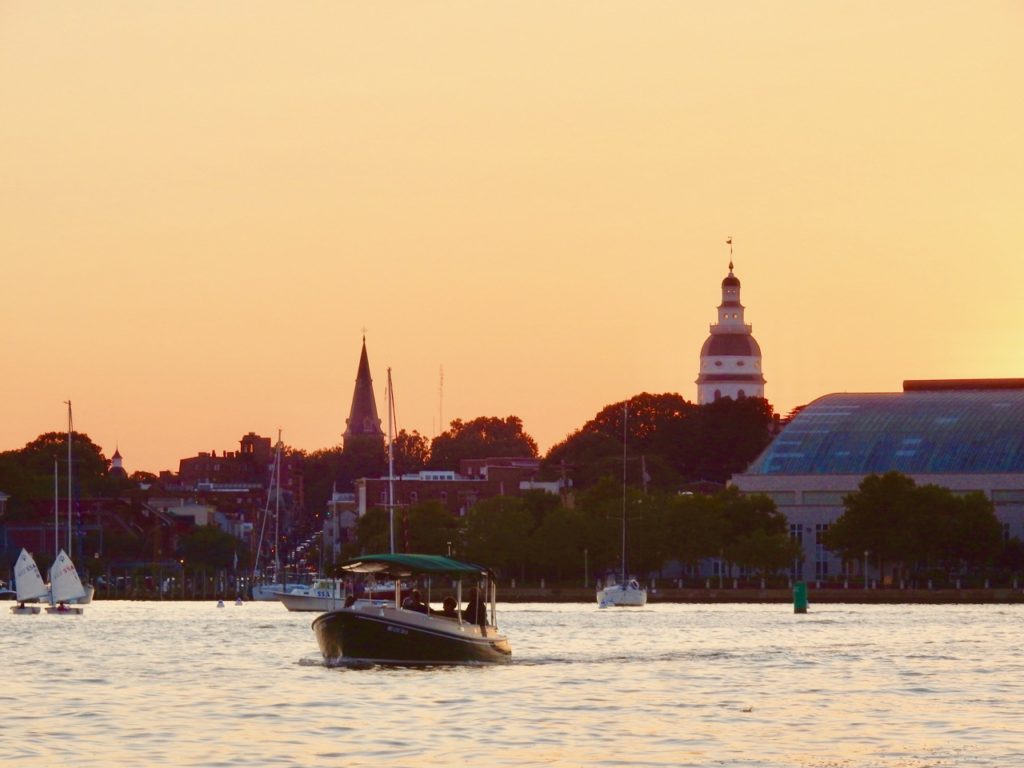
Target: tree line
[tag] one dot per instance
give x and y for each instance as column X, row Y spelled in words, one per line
column 536, row 536
column 912, row 532
column 671, row 443
column 909, row 532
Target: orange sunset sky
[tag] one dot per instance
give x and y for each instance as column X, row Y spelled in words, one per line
column 202, row 204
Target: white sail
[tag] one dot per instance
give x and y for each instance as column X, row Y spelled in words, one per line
column 64, row 581
column 28, row 581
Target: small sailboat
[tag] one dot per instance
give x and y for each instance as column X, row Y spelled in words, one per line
column 88, row 590
column 28, row 584
column 65, row 586
column 628, row 592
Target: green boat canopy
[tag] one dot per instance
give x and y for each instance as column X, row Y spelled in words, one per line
column 408, row 565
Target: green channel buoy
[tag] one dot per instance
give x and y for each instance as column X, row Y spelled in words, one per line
column 800, row 597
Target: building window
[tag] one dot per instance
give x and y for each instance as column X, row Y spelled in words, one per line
column 796, row 533
column 444, row 495
column 820, row 553
column 383, row 497
column 740, row 363
column 413, row 497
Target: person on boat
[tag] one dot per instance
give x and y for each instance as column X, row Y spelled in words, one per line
column 450, row 607
column 62, row 608
column 414, row 602
column 476, row 611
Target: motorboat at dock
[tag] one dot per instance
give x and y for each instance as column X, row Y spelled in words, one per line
column 322, row 595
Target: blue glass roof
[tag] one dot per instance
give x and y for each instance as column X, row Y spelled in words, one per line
column 938, row 432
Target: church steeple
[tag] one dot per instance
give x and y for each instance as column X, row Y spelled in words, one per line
column 362, row 421
column 116, row 465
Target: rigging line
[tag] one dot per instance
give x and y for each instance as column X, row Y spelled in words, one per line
column 266, row 511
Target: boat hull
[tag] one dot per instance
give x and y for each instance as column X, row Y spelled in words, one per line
column 311, row 603
column 617, row 597
column 269, row 592
column 65, row 610
column 379, row 635
column 25, row 610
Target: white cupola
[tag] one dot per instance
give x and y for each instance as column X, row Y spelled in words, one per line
column 730, row 360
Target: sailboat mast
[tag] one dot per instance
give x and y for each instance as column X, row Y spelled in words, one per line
column 277, row 506
column 56, row 513
column 70, row 428
column 391, row 463
column 625, row 416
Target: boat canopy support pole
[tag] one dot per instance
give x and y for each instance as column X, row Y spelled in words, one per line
column 493, row 594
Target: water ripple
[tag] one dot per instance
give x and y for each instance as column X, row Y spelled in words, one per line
column 174, row 684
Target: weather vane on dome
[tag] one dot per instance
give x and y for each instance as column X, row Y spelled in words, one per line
column 728, row 241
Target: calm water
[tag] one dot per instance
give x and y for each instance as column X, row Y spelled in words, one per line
column 141, row 684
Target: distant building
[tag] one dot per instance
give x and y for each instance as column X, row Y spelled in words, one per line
column 964, row 435
column 476, row 480
column 249, row 466
column 730, row 360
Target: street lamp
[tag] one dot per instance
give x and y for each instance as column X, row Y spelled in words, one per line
column 866, row 553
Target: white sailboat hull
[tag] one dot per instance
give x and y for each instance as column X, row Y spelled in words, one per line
column 63, row 609
column 632, row 595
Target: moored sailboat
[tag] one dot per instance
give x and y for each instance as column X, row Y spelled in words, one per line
column 627, row 592
column 263, row 589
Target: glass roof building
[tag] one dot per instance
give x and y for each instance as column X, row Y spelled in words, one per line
column 965, row 435
column 914, row 432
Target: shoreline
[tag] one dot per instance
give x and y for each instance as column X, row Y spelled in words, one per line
column 994, row 595
column 706, row 595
